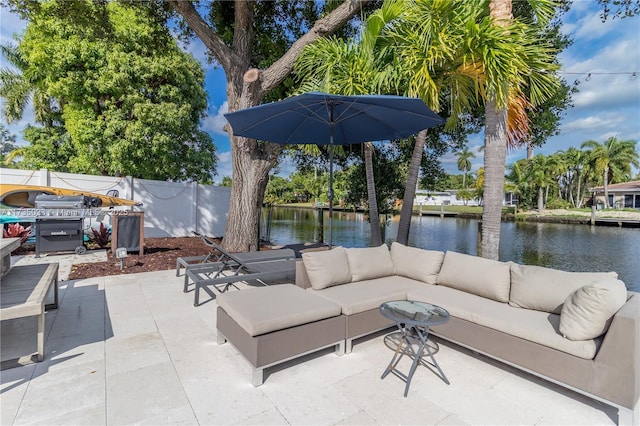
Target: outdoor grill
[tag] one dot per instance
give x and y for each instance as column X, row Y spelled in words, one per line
column 62, row 230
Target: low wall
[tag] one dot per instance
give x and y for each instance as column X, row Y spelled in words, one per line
column 171, row 209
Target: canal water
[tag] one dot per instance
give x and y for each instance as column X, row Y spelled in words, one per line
column 561, row 246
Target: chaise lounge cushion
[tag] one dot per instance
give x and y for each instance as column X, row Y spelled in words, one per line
column 415, row 263
column 265, row 309
column 587, row 312
column 327, row 268
column 476, row 275
column 546, row 289
column 370, row 262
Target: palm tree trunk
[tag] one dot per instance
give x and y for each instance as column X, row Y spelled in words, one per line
column 495, row 151
column 540, row 199
column 374, row 216
column 578, row 194
column 410, row 189
column 605, row 181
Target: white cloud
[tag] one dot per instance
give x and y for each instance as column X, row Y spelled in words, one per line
column 215, row 121
column 591, row 27
column 224, row 165
column 11, row 25
column 592, row 123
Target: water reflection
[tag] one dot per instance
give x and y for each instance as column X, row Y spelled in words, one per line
column 562, row 246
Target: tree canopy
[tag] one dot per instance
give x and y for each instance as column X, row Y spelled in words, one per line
column 128, row 100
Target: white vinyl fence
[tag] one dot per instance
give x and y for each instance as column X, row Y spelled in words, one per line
column 171, row 209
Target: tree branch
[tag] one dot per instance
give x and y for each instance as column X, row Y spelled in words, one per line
column 323, row 27
column 216, row 46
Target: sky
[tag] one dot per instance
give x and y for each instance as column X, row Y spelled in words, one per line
column 603, row 58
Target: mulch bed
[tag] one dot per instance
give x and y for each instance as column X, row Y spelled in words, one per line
column 160, row 254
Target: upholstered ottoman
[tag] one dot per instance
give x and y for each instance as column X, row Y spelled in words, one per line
column 271, row 325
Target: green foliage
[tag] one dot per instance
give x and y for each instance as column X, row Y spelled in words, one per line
column 100, row 236
column 226, row 181
column 564, row 177
column 130, row 99
column 390, row 179
column 15, row 230
column 557, row 203
column 465, row 195
column 279, row 191
column 619, row 8
column 7, row 143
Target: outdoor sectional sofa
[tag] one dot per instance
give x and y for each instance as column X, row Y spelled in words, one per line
column 577, row 329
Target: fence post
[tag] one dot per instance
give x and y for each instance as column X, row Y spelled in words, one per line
column 44, row 177
column 195, row 205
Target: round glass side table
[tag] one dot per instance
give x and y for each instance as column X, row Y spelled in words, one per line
column 413, row 320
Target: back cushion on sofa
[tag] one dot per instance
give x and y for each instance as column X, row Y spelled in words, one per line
column 327, row 268
column 546, row 289
column 418, row 264
column 483, row 277
column 587, row 312
column 369, row 263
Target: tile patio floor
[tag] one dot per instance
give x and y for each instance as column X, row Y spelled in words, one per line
column 133, row 349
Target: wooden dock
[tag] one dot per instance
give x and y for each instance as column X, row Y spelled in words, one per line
column 437, row 213
column 621, row 223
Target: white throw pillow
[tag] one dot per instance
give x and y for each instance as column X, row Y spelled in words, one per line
column 370, row 262
column 587, row 312
column 416, row 263
column 327, row 268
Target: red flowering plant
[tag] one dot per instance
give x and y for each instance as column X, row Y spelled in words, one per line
column 15, row 230
column 100, row 237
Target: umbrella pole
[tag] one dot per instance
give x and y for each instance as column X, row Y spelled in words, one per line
column 331, row 191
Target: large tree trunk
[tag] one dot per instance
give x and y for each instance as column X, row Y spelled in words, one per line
column 250, row 178
column 374, row 215
column 495, row 142
column 252, row 161
column 410, row 189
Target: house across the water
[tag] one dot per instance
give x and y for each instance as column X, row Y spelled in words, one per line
column 621, row 195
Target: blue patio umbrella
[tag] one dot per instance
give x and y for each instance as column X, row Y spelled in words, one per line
column 325, row 119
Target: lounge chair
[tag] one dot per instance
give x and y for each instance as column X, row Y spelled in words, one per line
column 218, row 254
column 222, row 270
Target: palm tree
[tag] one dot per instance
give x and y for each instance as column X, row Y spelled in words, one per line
column 512, row 58
column 540, row 177
column 19, row 85
column 337, row 66
column 577, row 162
column 464, row 164
column 426, row 60
column 612, row 160
column 454, row 47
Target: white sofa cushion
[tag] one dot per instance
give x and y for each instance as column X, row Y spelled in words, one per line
column 546, row 289
column 416, row 263
column 327, row 268
column 587, row 312
column 534, row 326
column 476, row 275
column 369, row 263
column 361, row 296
